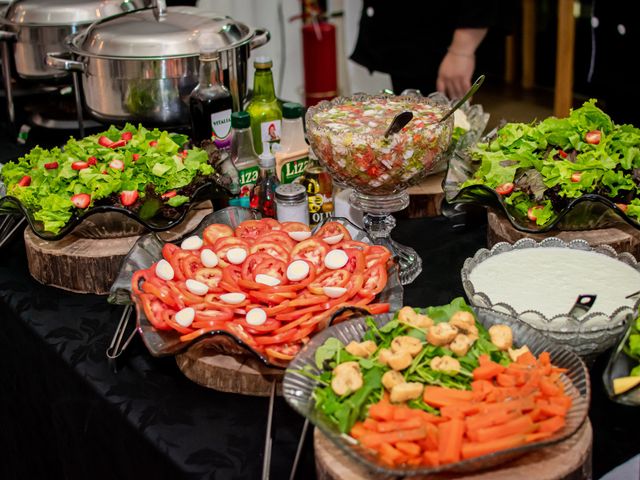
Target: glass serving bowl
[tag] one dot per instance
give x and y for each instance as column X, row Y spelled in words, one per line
column 298, row 390
column 587, row 335
column 587, row 212
column 380, row 169
column 148, row 250
column 620, row 365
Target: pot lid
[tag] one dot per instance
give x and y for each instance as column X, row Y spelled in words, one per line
column 145, row 34
column 66, row 12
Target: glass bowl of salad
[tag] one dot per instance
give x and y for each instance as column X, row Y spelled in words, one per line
column 348, row 136
column 573, row 173
column 621, row 377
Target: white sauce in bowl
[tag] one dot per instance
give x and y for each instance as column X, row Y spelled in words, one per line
column 549, row 280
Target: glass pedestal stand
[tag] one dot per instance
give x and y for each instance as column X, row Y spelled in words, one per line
column 378, row 222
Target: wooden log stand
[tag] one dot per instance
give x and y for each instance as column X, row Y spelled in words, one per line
column 425, row 199
column 570, row 459
column 88, row 265
column 229, row 373
column 622, row 237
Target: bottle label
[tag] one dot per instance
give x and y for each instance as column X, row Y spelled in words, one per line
column 270, row 132
column 247, row 179
column 221, row 128
column 293, row 169
column 320, row 205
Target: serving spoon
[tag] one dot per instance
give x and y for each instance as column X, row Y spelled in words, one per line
column 474, row 88
column 399, row 121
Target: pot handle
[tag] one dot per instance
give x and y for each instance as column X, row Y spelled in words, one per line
column 261, row 36
column 60, row 61
column 7, row 36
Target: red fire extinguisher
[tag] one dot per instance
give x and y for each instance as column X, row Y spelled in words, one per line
column 320, row 63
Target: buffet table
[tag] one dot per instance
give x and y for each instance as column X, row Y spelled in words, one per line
column 67, row 414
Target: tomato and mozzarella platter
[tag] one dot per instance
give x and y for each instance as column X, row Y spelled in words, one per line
column 269, row 284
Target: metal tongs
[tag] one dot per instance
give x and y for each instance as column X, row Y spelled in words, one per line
column 116, row 347
column 9, row 225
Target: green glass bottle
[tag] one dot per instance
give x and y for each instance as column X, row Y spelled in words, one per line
column 264, row 108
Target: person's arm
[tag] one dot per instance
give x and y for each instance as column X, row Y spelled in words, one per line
column 457, row 66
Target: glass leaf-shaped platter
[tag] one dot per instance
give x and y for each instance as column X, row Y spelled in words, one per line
column 148, row 250
column 298, row 391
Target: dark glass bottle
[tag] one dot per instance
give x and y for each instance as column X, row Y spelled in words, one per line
column 263, row 195
column 210, row 103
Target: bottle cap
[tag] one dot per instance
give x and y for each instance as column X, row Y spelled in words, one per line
column 207, row 42
column 291, row 192
column 240, row 120
column 292, row 110
column 267, row 160
column 263, row 62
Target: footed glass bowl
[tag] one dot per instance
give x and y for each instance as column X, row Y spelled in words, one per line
column 586, row 334
column 298, row 390
column 148, row 250
column 348, row 136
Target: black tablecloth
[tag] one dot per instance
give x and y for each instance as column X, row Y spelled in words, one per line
column 65, row 414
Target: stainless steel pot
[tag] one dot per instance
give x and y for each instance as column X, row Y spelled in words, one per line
column 40, row 26
column 141, row 66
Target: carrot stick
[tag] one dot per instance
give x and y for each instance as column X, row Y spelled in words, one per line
column 440, row 396
column 487, row 371
column 549, row 388
column 370, row 424
column 450, row 436
column 551, row 425
column 534, row 437
column 431, row 459
column 490, row 419
column 392, row 425
column 409, row 448
column 389, row 455
column 358, row 430
column 470, row 450
column 381, row 411
column 372, row 440
column 520, row 425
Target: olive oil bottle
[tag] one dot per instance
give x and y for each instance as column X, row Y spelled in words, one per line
column 319, row 186
column 264, row 108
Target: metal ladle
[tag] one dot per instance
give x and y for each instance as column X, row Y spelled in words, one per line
column 474, row 88
column 399, row 121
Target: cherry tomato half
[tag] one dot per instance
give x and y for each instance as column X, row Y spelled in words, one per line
column 505, row 188
column 593, row 137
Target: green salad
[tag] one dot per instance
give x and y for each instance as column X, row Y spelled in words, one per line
column 539, row 168
column 633, row 347
column 116, row 167
column 345, row 410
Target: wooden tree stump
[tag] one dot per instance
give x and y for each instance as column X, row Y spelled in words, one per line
column 88, row 265
column 229, row 373
column 426, row 198
column 622, row 237
column 570, row 459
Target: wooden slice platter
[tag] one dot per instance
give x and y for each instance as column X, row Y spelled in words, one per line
column 622, row 237
column 90, row 265
column 566, row 460
column 242, row 374
column 426, row 198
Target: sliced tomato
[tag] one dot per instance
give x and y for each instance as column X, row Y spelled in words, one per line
column 284, row 352
column 377, row 308
column 169, row 319
column 356, row 261
column 331, row 229
column 562, row 153
column 272, row 223
column 211, row 277
column 283, row 337
column 277, row 236
column 214, row 315
column 269, row 326
column 183, row 296
column 128, row 197
column 274, row 268
column 505, row 188
column 252, row 229
column 51, row 165
column 249, row 265
column 138, row 276
column 593, row 137
column 294, row 227
column 576, row 177
column 276, row 250
column 313, row 250
column 168, row 249
column 190, row 264
column 352, row 244
column 126, row 136
column 153, row 309
column 230, row 277
column 224, row 244
column 81, row 200
column 332, row 278
column 213, row 232
column 375, row 280
column 375, row 254
column 80, row 165
column 135, row 157
column 622, row 206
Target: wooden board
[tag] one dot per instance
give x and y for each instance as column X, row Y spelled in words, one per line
column 426, row 198
column 622, row 237
column 229, row 373
column 567, row 460
column 88, row 265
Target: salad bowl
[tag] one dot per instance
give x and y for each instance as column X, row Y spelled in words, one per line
column 119, row 182
column 624, row 367
column 348, row 135
column 148, row 250
column 300, row 382
column 573, row 173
